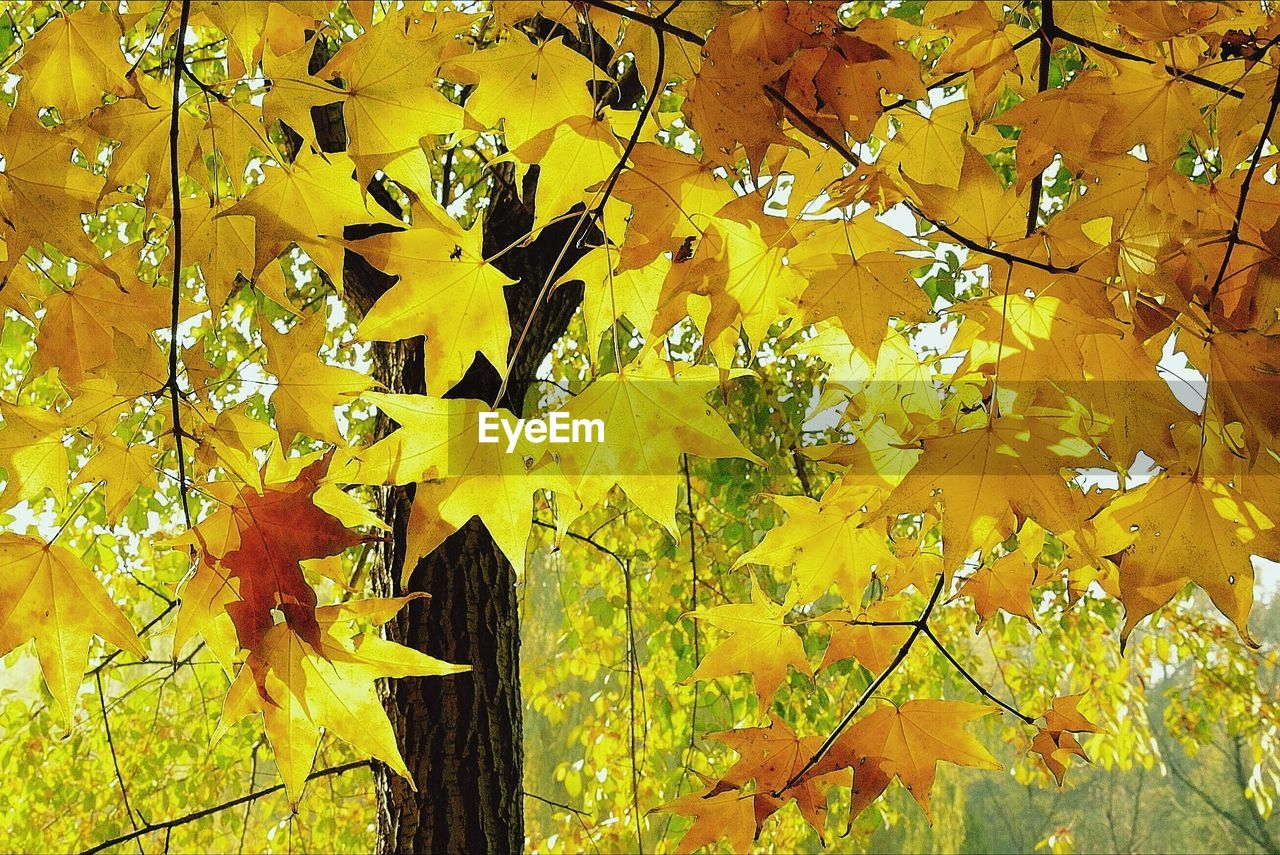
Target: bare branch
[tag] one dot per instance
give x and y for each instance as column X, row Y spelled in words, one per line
column 657, row 23
column 918, row 627
column 151, row 828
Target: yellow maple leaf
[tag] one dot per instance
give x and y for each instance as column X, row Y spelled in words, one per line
column 438, row 443
column 72, row 61
column 527, row 87
column 32, row 453
column 446, row 292
column 308, row 202
column 307, row 387
column 909, row 741
column 986, row 475
column 761, row 643
column 301, row 690
column 1162, row 533
column 389, row 105
column 652, row 412
column 49, row 595
column 825, row 542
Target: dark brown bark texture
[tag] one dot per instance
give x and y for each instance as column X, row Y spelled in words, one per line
column 460, row 735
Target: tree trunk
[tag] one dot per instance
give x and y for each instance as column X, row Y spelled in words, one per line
column 461, row 734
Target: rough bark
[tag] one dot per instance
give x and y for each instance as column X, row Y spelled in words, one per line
column 461, row 735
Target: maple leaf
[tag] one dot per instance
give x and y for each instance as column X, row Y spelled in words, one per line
column 771, row 756
column 438, row 443
column 446, row 292
column 223, row 247
column 581, row 152
column 529, row 87
column 259, row 540
column 850, row 75
column 1028, row 341
column 72, row 61
column 762, row 643
column 908, row 742
column 984, row 476
column 726, row 814
column 1004, row 584
column 307, row 388
column 931, row 149
column 1054, row 747
column 740, row 268
column 121, row 468
column 653, row 412
column 610, row 294
column 294, row 90
column 308, row 202
column 1244, row 372
column 77, row 333
column 1050, row 122
column 674, row 196
column 43, row 192
column 305, row 686
column 980, row 207
column 386, row 108
column 726, row 102
column 1145, row 105
column 141, row 126
column 49, row 595
column 1055, row 742
column 824, row 542
column 1161, row 534
column 32, row 453
column 856, row 636
column 856, row 274
column 1064, row 715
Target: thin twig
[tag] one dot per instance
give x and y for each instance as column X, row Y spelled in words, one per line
column 1117, row 53
column 982, row 690
column 167, row 824
column 633, row 669
column 115, row 761
column 917, row 628
column 591, row 214
column 1042, row 84
column 657, row 23
column 1233, row 237
column 578, row 814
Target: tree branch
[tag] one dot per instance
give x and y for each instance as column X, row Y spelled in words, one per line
column 167, row 824
column 115, row 760
column 1233, row 238
column 176, row 283
column 919, row 626
column 1210, row 803
column 982, row 690
column 1116, row 53
column 658, row 23
column 593, row 213
column 1042, row 83
column 851, row 158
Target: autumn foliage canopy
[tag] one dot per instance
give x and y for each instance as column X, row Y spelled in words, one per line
column 902, row 323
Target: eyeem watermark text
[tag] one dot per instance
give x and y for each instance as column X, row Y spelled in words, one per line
column 557, row 428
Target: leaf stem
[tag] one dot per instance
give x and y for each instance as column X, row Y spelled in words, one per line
column 982, row 690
